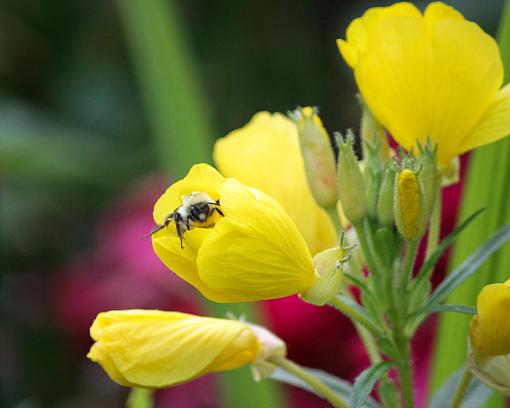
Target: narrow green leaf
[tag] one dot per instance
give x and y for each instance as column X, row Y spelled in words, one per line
column 342, row 387
column 470, row 265
column 428, row 267
column 476, row 395
column 449, row 308
column 364, row 383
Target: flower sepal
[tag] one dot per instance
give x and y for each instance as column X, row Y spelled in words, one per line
column 329, row 266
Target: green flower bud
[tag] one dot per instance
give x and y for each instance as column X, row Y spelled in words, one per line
column 351, row 186
column 318, row 156
column 373, row 134
column 429, row 175
column 328, row 265
column 385, row 215
column 372, row 183
column 410, row 212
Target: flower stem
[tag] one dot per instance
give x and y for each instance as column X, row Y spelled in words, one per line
column 347, row 307
column 405, row 372
column 408, row 264
column 368, row 250
column 322, row 389
column 461, row 389
column 335, row 218
column 435, row 224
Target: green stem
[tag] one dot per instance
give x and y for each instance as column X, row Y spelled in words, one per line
column 335, row 218
column 405, row 372
column 435, row 224
column 408, row 264
column 355, row 315
column 461, row 389
column 368, row 250
column 322, row 389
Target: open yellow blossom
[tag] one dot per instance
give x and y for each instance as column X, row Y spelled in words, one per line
column 432, row 75
column 253, row 252
column 155, row 349
column 265, row 154
column 490, row 328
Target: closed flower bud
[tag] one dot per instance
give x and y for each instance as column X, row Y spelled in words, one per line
column 429, row 175
column 351, row 186
column 156, row 349
column 490, row 328
column 318, row 156
column 410, row 215
column 329, row 267
column 489, row 338
column 246, row 249
column 385, row 215
column 373, row 134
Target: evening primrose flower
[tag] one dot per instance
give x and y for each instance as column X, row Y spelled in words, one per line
column 432, row 75
column 156, row 349
column 265, row 154
column 250, row 251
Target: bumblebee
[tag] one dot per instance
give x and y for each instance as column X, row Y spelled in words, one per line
column 195, row 212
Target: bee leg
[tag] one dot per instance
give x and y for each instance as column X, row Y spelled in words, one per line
column 180, row 233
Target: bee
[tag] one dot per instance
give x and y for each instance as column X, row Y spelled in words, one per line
column 195, row 211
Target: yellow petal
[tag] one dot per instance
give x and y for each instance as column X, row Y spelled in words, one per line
column 431, row 75
column 255, row 252
column 494, row 123
column 492, row 329
column 200, row 178
column 183, row 261
column 157, row 349
column 439, row 11
column 265, row 154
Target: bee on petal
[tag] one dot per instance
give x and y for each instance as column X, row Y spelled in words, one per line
column 194, row 212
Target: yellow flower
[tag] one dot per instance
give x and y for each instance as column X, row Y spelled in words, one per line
column 265, row 154
column 490, row 328
column 434, row 75
column 253, row 252
column 155, row 349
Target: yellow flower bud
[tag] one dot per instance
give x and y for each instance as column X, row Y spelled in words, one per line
column 318, row 156
column 265, row 154
column 155, row 349
column 410, row 215
column 251, row 251
column 490, row 328
column 448, row 83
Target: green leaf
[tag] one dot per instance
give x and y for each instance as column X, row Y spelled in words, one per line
column 449, row 308
column 476, row 395
column 428, row 267
column 342, row 387
column 364, row 383
column 470, row 265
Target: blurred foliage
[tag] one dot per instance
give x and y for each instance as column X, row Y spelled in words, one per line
column 74, row 134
